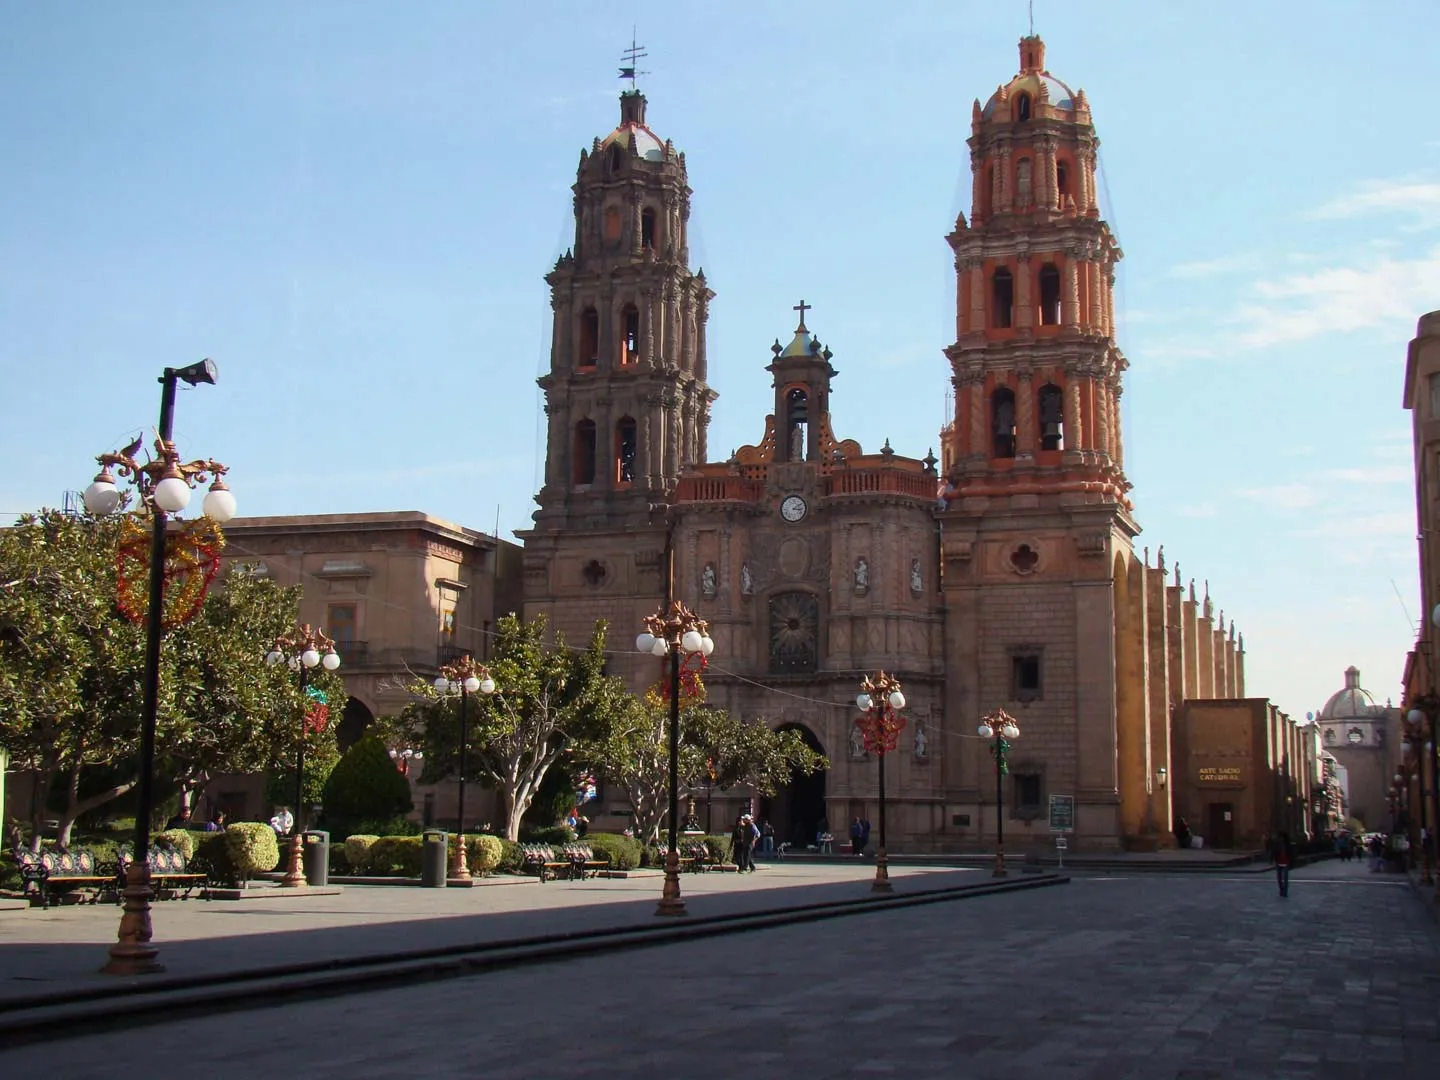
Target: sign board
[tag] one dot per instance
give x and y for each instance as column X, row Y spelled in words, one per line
column 1061, row 843
column 1220, row 774
column 1062, row 813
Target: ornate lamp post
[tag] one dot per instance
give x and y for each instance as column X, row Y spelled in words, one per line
column 303, row 649
column 465, row 677
column 880, row 702
column 675, row 630
column 188, row 563
column 403, row 757
column 1002, row 727
column 1419, row 738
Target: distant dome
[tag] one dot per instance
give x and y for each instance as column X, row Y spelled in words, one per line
column 1352, row 703
column 1057, row 94
column 647, row 144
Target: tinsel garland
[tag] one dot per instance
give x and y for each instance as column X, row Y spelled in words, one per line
column 880, row 729
column 192, row 559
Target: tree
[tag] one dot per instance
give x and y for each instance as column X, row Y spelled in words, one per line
column 365, row 789
column 546, row 696
column 71, row 672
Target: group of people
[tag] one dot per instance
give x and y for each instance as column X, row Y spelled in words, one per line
column 743, row 839
column 183, row 820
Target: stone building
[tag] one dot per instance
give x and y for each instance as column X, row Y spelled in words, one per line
column 1364, row 738
column 401, row 593
column 1005, row 577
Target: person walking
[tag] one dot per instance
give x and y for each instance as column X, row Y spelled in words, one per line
column 1282, row 854
column 742, row 843
column 855, row 833
column 864, row 834
column 1182, row 833
column 767, row 837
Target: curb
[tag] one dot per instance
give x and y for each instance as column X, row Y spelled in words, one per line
column 144, row 1000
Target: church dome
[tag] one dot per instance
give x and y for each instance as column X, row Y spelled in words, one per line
column 1351, row 703
column 632, row 132
column 1042, row 87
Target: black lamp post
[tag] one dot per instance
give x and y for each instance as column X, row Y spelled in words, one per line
column 467, row 677
column 303, row 649
column 163, row 484
column 674, row 631
column 1001, row 725
column 1419, row 737
column 880, row 702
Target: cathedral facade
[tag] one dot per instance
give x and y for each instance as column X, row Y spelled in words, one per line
column 1002, row 574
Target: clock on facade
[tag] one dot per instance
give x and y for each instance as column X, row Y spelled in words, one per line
column 793, row 508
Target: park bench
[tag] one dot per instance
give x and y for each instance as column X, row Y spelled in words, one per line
column 169, row 873
column 570, row 860
column 582, row 860
column 61, row 873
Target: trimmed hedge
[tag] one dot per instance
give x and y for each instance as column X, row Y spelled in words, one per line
column 512, row 859
column 364, row 787
column 483, row 853
column 252, row 847
column 550, row 834
column 623, row 851
column 181, row 840
column 357, row 851
column 394, row 856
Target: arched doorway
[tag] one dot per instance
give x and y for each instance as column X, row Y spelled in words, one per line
column 356, row 718
column 798, row 808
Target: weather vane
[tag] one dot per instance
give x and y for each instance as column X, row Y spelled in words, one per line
column 632, row 56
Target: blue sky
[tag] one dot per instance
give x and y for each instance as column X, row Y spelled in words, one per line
column 350, row 207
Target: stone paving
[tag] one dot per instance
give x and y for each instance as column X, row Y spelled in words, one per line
column 1112, row 977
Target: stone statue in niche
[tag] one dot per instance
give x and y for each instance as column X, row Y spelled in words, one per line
column 917, row 580
column 921, row 740
column 862, row 574
column 707, row 581
column 857, row 742
column 747, row 580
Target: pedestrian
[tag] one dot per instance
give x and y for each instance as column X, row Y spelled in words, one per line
column 1182, row 833
column 742, row 841
column 855, row 833
column 1377, row 853
column 216, row 822
column 767, row 837
column 1282, row 854
column 864, row 834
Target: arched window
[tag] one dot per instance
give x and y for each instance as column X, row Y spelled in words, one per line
column 797, row 424
column 588, row 352
column 1002, row 297
column 647, row 229
column 625, row 445
column 617, row 157
column 1022, row 107
column 1049, row 295
column 584, row 455
column 1002, row 422
column 1062, row 181
column 794, row 633
column 1051, row 407
column 629, row 335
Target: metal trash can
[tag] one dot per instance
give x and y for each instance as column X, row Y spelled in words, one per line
column 315, row 846
column 434, row 861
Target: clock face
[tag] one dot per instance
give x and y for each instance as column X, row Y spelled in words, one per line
column 793, row 508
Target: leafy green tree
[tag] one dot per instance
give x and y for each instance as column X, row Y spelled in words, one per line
column 546, row 697
column 365, row 789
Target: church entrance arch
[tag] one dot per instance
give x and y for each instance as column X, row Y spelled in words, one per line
column 798, row 808
column 356, row 718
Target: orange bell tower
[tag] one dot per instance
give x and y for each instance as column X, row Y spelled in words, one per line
column 1036, row 368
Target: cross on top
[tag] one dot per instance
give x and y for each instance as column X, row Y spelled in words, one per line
column 802, row 307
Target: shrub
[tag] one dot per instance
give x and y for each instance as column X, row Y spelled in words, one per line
column 484, row 853
column 252, row 847
column 339, row 859
column 720, row 847
column 395, row 856
column 623, row 851
column 357, row 850
column 365, row 787
column 550, row 834
column 512, row 859
column 181, row 840
column 212, row 857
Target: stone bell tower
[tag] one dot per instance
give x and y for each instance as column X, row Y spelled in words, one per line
column 626, row 400
column 1037, row 530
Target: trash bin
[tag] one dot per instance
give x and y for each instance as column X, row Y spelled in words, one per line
column 316, row 850
column 433, row 858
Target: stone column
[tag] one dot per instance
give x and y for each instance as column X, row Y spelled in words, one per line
column 977, row 295
column 561, row 358
column 646, row 298
column 555, row 434
column 645, row 435
column 702, row 316
column 1025, row 415
column 1102, row 416
column 997, row 184
column 1109, row 279
column 979, row 444
column 672, row 316
column 1045, row 181
column 672, row 439
column 977, row 186
column 1074, row 433
column 1007, row 185
column 635, row 224
column 1092, row 271
column 1116, row 437
column 688, row 352
column 1024, row 308
column 1070, row 308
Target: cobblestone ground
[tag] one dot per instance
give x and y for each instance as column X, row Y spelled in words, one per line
column 1106, row 978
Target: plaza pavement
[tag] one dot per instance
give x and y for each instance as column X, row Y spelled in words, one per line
column 1117, row 976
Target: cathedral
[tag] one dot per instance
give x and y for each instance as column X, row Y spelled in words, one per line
column 1003, row 574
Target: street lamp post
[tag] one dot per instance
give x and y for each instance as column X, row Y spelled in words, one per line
column 674, row 630
column 303, row 649
column 163, row 485
column 1420, row 738
column 466, row 677
column 402, row 758
column 880, row 702
column 1002, row 727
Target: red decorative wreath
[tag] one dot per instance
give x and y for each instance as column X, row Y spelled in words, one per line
column 880, row 729
column 192, row 559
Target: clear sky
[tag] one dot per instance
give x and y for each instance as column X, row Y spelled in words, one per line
column 351, row 205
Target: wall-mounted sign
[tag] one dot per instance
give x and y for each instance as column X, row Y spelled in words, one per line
column 1062, row 813
column 1220, row 774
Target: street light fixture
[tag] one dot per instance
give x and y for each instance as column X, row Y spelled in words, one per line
column 1002, row 727
column 463, row 677
column 303, row 650
column 880, row 702
column 1417, row 738
column 163, row 484
column 675, row 630
column 404, row 757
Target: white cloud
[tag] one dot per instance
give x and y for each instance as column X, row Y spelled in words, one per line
column 1225, row 264
column 1284, row 496
column 1374, row 474
column 1417, row 198
column 1199, row 510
